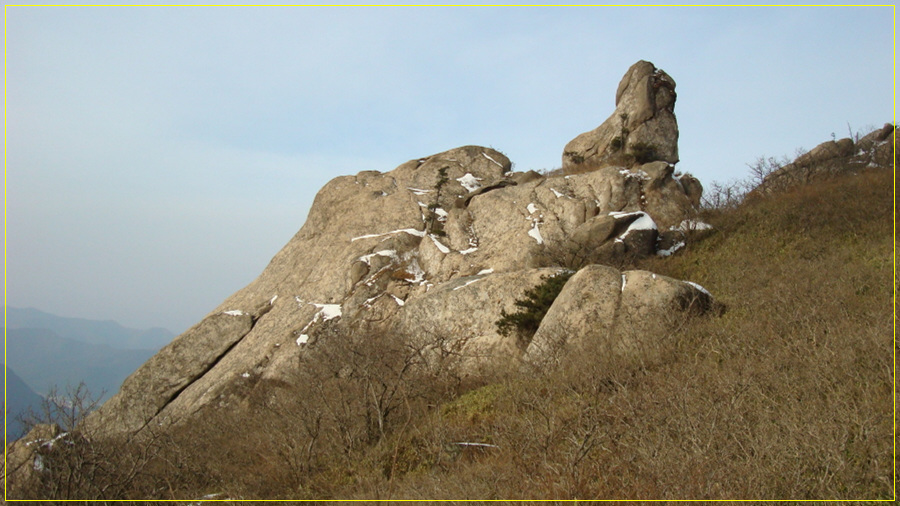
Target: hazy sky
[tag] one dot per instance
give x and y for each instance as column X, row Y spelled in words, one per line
column 157, row 158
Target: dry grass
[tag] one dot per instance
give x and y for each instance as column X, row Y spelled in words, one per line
column 787, row 396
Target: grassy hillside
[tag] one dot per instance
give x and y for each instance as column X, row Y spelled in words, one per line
column 787, row 395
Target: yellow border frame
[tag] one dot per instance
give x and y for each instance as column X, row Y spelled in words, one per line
column 894, row 281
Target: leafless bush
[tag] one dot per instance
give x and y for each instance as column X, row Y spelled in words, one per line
column 69, row 462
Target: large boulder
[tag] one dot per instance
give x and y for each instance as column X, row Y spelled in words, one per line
column 602, row 309
column 641, row 129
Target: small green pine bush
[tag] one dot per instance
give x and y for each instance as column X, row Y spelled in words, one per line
column 533, row 307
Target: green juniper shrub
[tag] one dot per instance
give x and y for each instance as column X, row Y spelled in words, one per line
column 533, row 307
column 616, row 143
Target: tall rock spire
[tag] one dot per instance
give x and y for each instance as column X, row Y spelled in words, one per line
column 642, row 128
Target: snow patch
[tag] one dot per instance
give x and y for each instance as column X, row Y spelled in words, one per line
column 245, row 375
column 535, row 233
column 531, row 208
column 410, row 231
column 419, row 191
column 688, row 225
column 416, row 271
column 400, row 302
column 325, row 313
column 636, row 174
column 698, row 287
column 485, row 271
column 624, row 282
column 558, row 194
column 643, row 222
column 669, row 251
column 442, row 215
column 272, row 300
column 491, row 159
column 469, row 182
column 466, row 251
column 367, row 259
column 234, row 312
column 439, row 245
column 467, row 283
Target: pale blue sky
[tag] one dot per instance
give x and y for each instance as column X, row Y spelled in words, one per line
column 157, row 158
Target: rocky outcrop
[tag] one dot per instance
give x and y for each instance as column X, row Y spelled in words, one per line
column 641, row 129
column 832, row 158
column 433, row 250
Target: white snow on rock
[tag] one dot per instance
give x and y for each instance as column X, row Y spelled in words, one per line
column 531, row 208
column 367, row 259
column 535, row 233
column 443, row 249
column 491, row 159
column 415, row 270
column 467, row 283
column 410, row 231
column 688, row 225
column 325, row 313
column 466, row 251
column 234, row 312
column 245, row 375
column 698, row 287
column 272, row 300
column 673, row 249
column 485, row 271
column 637, row 174
column 419, row 191
column 400, row 302
column 442, row 215
column 469, row 182
column 624, row 282
column 558, row 194
column 643, row 222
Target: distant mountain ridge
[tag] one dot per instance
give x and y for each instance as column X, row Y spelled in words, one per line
column 49, row 351
column 19, row 398
column 105, row 332
column 43, row 359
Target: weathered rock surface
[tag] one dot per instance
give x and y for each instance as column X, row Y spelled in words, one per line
column 832, row 158
column 642, row 127
column 149, row 389
column 462, row 314
column 602, row 309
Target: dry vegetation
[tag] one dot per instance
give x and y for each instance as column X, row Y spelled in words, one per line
column 788, row 395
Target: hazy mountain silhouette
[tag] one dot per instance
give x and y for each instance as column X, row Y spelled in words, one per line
column 106, row 332
column 19, row 398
